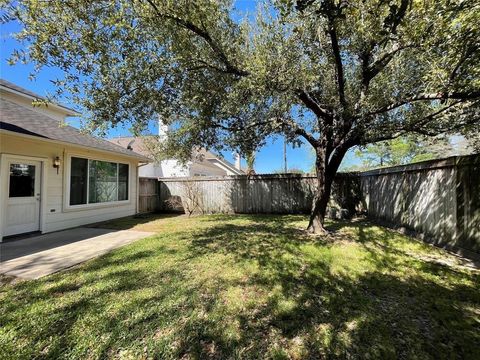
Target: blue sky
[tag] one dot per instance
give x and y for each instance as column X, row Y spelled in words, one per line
column 269, row 158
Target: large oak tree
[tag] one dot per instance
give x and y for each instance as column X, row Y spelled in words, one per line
column 333, row 74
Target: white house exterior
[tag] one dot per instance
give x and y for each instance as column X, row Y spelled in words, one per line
column 204, row 163
column 54, row 177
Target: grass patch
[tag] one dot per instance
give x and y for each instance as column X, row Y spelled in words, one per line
column 249, row 287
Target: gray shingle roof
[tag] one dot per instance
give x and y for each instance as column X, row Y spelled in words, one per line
column 29, row 93
column 19, row 119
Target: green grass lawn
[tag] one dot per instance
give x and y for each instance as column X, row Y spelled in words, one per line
column 249, row 287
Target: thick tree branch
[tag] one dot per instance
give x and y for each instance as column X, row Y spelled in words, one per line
column 396, row 15
column 378, row 65
column 331, row 12
column 339, row 66
column 336, row 157
column 206, row 65
column 449, row 128
column 311, row 103
column 382, row 137
column 417, row 126
column 229, row 66
column 460, row 62
column 297, row 129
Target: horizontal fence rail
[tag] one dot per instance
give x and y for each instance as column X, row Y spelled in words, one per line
column 257, row 194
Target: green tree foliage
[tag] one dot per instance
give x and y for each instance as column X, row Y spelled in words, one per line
column 473, row 140
column 292, row 170
column 331, row 73
column 402, row 150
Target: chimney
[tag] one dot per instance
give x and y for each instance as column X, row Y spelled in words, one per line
column 162, row 129
column 238, row 161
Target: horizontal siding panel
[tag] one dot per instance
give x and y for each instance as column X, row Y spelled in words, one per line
column 76, row 221
column 55, row 218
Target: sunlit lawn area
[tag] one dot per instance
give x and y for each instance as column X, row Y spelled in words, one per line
column 249, row 287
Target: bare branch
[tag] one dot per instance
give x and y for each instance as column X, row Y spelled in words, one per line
column 283, row 122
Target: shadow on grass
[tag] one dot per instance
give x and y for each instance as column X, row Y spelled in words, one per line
column 130, row 222
column 306, row 297
column 399, row 308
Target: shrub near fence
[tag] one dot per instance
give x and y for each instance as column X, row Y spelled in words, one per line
column 265, row 194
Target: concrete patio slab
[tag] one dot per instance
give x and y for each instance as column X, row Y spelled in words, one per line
column 37, row 256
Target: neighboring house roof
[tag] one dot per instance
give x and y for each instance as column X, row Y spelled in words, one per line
column 19, row 119
column 217, row 160
column 11, row 87
column 203, row 156
column 136, row 143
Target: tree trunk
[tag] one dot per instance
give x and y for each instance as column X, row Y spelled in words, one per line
column 326, row 171
column 320, row 203
column 322, row 194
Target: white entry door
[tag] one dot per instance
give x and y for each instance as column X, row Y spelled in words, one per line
column 23, row 196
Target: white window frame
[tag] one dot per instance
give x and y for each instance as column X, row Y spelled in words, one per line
column 68, row 169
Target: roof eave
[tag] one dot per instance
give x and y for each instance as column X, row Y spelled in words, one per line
column 66, row 110
column 136, row 156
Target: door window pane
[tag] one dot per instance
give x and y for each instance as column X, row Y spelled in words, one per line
column 78, row 181
column 122, row 182
column 102, row 182
column 22, row 180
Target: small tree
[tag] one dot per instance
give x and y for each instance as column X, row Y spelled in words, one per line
column 331, row 73
column 190, row 200
column 292, row 170
column 403, row 150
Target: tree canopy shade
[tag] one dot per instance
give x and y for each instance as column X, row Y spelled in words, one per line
column 333, row 74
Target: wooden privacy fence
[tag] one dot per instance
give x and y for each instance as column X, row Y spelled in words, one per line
column 439, row 199
column 148, row 197
column 268, row 194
